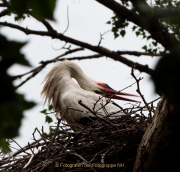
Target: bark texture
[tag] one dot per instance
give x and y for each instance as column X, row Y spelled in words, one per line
column 160, row 146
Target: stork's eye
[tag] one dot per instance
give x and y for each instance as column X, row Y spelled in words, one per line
column 98, row 92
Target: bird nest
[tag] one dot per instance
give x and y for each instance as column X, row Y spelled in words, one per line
column 103, row 145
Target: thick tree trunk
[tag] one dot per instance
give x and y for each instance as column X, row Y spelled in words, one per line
column 160, row 146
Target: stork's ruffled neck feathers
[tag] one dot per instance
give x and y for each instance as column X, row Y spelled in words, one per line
column 59, row 79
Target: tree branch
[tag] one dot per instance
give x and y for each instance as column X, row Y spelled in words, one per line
column 148, row 22
column 133, row 53
column 44, row 22
column 98, row 49
column 4, row 12
column 42, row 66
column 136, row 53
column 3, row 5
column 122, row 11
column 48, row 26
column 25, row 30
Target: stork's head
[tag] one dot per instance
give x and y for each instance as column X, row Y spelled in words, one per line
column 107, row 91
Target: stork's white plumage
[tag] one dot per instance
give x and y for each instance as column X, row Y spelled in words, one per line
column 60, row 90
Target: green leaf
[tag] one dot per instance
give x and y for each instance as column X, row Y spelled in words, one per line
column 155, row 50
column 48, row 119
column 19, row 7
column 50, row 107
column 150, row 52
column 12, row 104
column 41, row 9
column 43, row 111
column 122, row 32
column 137, row 33
column 116, row 35
column 10, row 52
column 126, row 24
column 11, row 113
column 134, row 27
column 144, row 47
column 4, row 146
column 148, row 37
column 154, row 43
column 109, row 22
column 50, row 134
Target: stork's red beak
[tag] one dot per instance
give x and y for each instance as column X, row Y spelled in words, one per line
column 111, row 93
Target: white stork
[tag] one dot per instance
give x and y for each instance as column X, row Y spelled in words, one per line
column 60, row 90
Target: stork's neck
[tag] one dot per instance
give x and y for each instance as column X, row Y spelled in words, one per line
column 59, row 80
column 83, row 80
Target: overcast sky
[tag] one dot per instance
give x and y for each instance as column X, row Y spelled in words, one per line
column 87, row 19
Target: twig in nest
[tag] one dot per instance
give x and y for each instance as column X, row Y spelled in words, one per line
column 56, row 131
column 20, row 147
column 84, row 161
column 32, row 156
column 100, row 97
column 140, row 108
column 85, row 106
column 138, row 90
column 103, row 156
column 30, row 148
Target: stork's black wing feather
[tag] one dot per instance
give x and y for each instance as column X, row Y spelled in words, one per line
column 84, row 121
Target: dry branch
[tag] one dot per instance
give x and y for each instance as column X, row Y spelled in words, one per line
column 101, row 50
column 42, row 66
